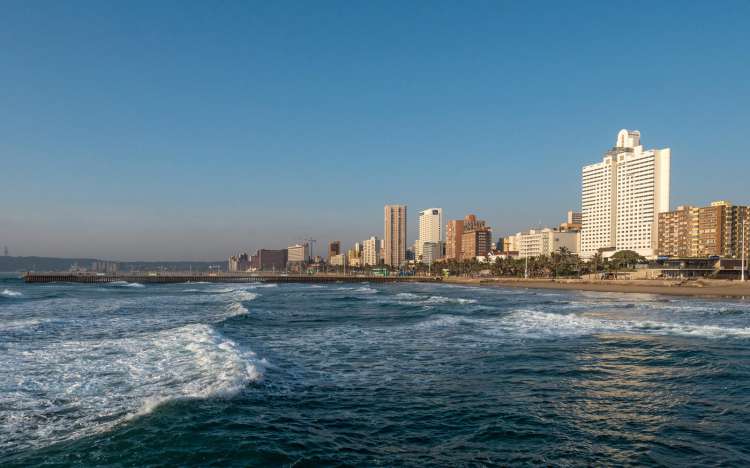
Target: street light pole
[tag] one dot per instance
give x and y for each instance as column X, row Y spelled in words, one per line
column 742, row 246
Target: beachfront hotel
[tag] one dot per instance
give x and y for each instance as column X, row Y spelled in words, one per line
column 395, row 235
column 622, row 197
column 430, row 230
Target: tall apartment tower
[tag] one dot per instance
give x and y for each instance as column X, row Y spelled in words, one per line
column 622, row 197
column 454, row 233
column 430, row 229
column 395, row 235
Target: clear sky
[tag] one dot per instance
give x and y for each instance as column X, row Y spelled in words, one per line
column 192, row 130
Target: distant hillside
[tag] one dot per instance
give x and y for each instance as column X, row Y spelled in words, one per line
column 14, row 264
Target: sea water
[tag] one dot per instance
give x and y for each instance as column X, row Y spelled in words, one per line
column 368, row 374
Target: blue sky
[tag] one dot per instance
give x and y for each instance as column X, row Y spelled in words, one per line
column 179, row 130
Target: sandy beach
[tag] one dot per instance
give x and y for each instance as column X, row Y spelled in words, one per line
column 701, row 287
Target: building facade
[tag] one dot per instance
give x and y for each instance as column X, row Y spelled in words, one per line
column 622, row 196
column 476, row 243
column 430, row 229
column 395, row 235
column 454, row 232
column 334, row 248
column 538, row 242
column 337, row 260
column 269, row 260
column 240, row 262
column 298, row 253
column 715, row 230
column 476, row 238
column 371, row 251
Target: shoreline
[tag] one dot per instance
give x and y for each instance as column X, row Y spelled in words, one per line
column 696, row 288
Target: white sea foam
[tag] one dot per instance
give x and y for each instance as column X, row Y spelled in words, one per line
column 10, row 293
column 366, row 290
column 237, row 294
column 125, row 284
column 235, row 309
column 244, row 295
column 535, row 323
column 413, row 298
column 70, row 389
column 17, row 325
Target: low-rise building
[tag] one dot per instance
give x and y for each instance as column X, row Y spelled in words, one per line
column 538, row 242
column 269, row 260
column 337, row 260
column 298, row 253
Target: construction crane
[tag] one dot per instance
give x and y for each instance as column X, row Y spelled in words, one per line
column 312, row 242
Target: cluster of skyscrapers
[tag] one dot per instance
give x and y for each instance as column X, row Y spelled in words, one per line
column 624, row 206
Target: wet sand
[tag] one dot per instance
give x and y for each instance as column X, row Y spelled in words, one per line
column 699, row 288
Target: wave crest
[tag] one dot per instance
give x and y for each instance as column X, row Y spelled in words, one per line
column 70, row 389
column 10, row 293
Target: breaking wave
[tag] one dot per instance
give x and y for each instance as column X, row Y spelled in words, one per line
column 125, row 284
column 235, row 309
column 535, row 324
column 411, row 297
column 71, row 389
column 10, row 293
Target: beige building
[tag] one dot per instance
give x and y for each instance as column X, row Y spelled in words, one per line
column 538, row 242
column 395, row 235
column 371, row 252
column 298, row 253
column 622, row 196
column 337, row 260
column 714, row 230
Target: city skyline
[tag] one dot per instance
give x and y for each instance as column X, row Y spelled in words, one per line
column 193, row 132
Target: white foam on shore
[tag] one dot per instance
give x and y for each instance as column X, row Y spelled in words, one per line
column 540, row 324
column 533, row 324
column 10, row 293
column 66, row 390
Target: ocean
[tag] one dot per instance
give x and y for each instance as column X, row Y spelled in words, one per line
column 369, row 375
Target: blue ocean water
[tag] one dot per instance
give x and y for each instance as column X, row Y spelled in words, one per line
column 364, row 374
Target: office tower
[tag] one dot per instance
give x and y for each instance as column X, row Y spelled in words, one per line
column 334, row 248
column 430, row 228
column 622, row 196
column 395, row 235
column 371, row 251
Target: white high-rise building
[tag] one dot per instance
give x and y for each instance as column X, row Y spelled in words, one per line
column 371, row 251
column 430, row 229
column 622, row 197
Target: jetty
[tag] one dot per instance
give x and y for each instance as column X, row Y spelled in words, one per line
column 189, row 277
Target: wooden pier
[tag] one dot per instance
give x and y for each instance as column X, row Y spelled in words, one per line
column 161, row 277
